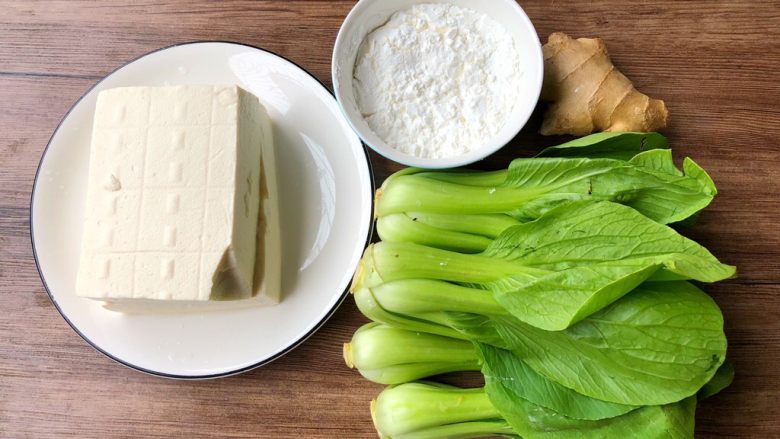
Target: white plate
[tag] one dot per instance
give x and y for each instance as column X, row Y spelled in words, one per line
column 326, row 190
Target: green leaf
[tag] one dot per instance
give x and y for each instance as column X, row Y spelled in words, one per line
column 650, row 183
column 532, row 421
column 692, row 184
column 658, row 160
column 693, row 170
column 659, row 344
column 502, row 366
column 620, row 146
column 591, row 233
column 722, row 379
column 559, row 300
column 594, row 254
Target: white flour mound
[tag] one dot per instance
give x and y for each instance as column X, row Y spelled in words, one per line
column 437, row 80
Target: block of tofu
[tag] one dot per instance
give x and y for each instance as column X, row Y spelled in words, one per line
column 174, row 209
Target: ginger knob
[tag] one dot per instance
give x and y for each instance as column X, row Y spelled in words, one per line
column 587, row 93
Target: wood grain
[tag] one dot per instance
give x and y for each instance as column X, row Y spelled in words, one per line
column 714, row 62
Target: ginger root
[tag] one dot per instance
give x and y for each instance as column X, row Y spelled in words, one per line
column 587, row 93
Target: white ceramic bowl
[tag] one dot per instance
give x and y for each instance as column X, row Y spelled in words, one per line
column 367, row 15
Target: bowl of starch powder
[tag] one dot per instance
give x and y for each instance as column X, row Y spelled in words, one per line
column 437, row 84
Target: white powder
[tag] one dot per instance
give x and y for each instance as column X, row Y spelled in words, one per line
column 437, row 80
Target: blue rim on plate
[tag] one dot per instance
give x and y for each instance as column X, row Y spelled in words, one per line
column 279, row 354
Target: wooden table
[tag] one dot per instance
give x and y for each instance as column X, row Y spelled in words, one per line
column 714, row 62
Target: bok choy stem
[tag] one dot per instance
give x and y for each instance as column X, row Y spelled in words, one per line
column 409, row 410
column 463, row 233
column 369, row 307
column 388, row 261
column 388, row 355
column 408, row 191
column 484, row 179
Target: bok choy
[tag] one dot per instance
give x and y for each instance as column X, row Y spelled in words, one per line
column 658, row 344
column 559, row 280
column 422, row 410
column 514, row 400
column 464, row 211
column 553, row 272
